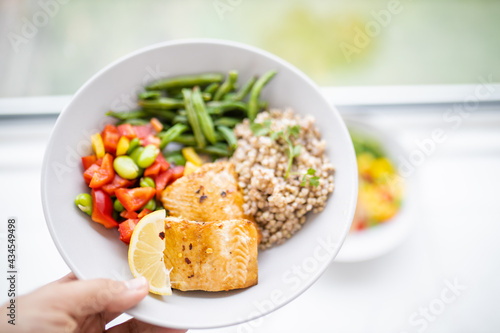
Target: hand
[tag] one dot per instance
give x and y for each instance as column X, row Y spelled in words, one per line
column 68, row 305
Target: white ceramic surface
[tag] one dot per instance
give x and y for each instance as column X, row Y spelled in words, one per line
column 376, row 241
column 91, row 251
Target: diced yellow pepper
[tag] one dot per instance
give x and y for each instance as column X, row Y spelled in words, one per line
column 123, row 145
column 98, row 145
column 191, row 156
column 190, row 168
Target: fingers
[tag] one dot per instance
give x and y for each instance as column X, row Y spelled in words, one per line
column 134, row 325
column 82, row 298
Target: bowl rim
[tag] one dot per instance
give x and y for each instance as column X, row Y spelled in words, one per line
column 348, row 213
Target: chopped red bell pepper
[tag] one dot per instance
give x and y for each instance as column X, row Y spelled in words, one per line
column 110, row 137
column 177, row 172
column 161, row 181
column 143, row 213
column 128, row 215
column 151, row 140
column 143, row 131
column 153, row 170
column 89, row 173
column 118, row 182
column 163, row 162
column 127, row 131
column 87, row 161
column 105, row 174
column 102, row 209
column 134, row 198
column 126, row 228
column 160, row 164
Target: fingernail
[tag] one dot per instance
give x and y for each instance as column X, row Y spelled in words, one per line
column 137, row 283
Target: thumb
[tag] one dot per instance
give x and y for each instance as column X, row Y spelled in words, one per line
column 83, row 298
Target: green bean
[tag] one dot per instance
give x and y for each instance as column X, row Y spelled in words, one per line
column 243, row 92
column 151, row 205
column 253, row 103
column 228, row 85
column 229, row 96
column 134, row 143
column 193, row 119
column 227, row 121
column 219, row 149
column 84, row 202
column 206, row 124
column 224, row 106
column 150, row 94
column 214, row 111
column 186, row 139
column 219, row 137
column 164, row 103
column 117, row 206
column 134, row 155
column 180, row 119
column 172, row 133
column 147, row 182
column 177, row 159
column 211, row 88
column 166, row 114
column 148, row 156
column 229, row 136
column 134, row 121
column 125, row 167
column 126, row 115
column 172, row 152
column 186, row 81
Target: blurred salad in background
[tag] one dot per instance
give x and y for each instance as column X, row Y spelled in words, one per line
column 380, row 189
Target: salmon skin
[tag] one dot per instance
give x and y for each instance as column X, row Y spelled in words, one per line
column 211, row 256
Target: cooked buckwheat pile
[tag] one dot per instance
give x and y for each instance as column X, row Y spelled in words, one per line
column 278, row 205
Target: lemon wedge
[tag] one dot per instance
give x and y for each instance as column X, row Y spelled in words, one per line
column 145, row 254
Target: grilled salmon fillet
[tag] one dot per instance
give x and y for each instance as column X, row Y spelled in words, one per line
column 211, row 256
column 209, row 194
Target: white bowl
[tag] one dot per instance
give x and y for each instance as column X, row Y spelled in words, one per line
column 376, row 241
column 91, row 251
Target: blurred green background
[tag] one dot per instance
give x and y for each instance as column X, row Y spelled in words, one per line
column 340, row 42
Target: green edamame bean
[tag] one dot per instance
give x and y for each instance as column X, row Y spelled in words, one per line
column 134, row 143
column 117, row 205
column 151, row 205
column 125, row 167
column 84, row 202
column 147, row 156
column 147, row 182
column 134, row 155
